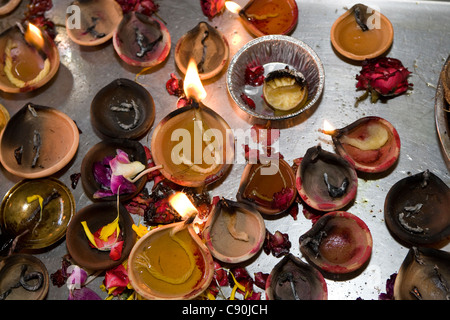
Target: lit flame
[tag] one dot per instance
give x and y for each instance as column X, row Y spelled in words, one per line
column 33, row 35
column 193, row 87
column 181, row 203
column 232, row 6
column 328, row 128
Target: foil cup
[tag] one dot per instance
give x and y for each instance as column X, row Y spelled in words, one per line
column 274, row 52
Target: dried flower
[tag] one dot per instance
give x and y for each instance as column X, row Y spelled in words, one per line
column 278, row 244
column 211, row 8
column 383, row 76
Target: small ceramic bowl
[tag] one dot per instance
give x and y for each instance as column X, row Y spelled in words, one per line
column 234, row 239
column 53, row 131
column 207, row 46
column 9, row 6
column 106, row 148
column 18, row 216
column 351, row 42
column 96, row 216
column 264, row 51
column 11, row 270
column 123, row 110
column 416, row 209
column 141, row 41
column 98, row 21
column 159, row 288
column 22, row 51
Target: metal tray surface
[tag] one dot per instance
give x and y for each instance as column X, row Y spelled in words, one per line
column 420, row 42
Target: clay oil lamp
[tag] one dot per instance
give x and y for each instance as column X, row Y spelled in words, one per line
column 325, row 180
column 141, row 41
column 100, row 236
column 416, row 209
column 97, row 21
column 266, row 17
column 275, row 85
column 339, row 243
column 269, row 187
column 193, row 144
column 28, row 60
column 37, row 212
column 23, row 277
column 371, row 144
column 171, row 262
column 423, row 275
column 234, row 231
column 114, row 166
column 293, row 279
column 38, row 141
column 362, row 33
column 207, row 46
column 7, row 6
column 123, row 110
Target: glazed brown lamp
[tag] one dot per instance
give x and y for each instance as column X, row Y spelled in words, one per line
column 265, row 17
column 29, row 59
column 193, row 153
column 361, row 33
column 98, row 21
column 207, row 46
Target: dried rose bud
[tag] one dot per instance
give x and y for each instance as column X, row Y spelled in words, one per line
column 383, row 76
column 211, row 8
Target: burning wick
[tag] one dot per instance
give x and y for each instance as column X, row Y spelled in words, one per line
column 192, row 86
column 185, row 208
column 328, row 128
column 34, row 36
column 233, row 7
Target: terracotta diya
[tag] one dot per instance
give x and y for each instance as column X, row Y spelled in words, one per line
column 325, row 180
column 96, row 216
column 266, row 17
column 269, row 187
column 37, row 211
column 97, row 172
column 123, row 109
column 98, row 20
column 142, row 41
column 293, row 279
column 423, row 275
column 234, row 232
column 193, row 144
column 29, row 59
column 29, row 272
column 416, row 209
column 8, row 6
column 207, row 46
column 371, row 144
column 38, row 141
column 171, row 262
column 338, row 243
column 362, row 33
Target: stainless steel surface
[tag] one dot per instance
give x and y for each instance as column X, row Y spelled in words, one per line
column 420, row 42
